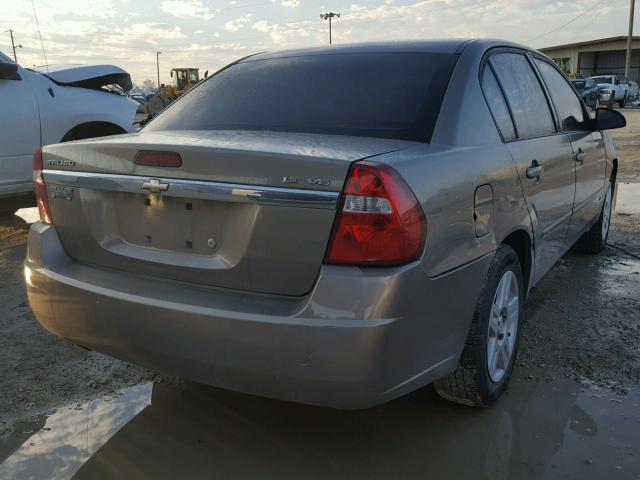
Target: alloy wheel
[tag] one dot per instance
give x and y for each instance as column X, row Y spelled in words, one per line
column 503, row 326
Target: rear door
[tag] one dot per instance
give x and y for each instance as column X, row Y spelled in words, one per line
column 543, row 155
column 19, row 134
column 588, row 148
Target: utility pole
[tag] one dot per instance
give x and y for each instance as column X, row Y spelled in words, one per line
column 14, row 46
column 329, row 16
column 158, row 67
column 627, row 64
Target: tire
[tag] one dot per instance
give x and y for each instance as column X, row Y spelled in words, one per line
column 9, row 205
column 475, row 382
column 623, row 102
column 595, row 239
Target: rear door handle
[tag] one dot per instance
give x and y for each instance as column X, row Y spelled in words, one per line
column 580, row 156
column 535, row 170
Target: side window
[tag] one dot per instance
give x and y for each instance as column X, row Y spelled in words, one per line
column 497, row 104
column 568, row 106
column 524, row 93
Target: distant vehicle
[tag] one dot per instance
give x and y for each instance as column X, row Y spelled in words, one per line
column 141, row 98
column 632, row 94
column 52, row 105
column 182, row 80
column 613, row 88
column 336, row 226
column 588, row 90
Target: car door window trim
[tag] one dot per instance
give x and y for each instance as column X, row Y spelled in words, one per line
column 504, row 99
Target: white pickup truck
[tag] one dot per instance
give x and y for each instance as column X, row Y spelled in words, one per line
column 51, row 105
column 613, row 88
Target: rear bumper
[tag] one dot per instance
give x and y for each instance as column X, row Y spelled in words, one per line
column 360, row 338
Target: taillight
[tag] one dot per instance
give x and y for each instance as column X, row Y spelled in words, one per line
column 42, row 198
column 379, row 221
column 152, row 158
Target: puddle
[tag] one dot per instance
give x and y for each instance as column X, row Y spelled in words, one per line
column 70, row 436
column 628, row 200
column 29, row 215
column 538, row 430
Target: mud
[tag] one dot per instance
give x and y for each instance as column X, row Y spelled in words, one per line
column 628, row 146
column 538, row 430
column 583, row 319
column 38, row 371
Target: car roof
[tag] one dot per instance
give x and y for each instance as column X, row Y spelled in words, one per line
column 447, row 45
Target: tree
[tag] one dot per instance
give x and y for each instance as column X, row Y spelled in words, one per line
column 148, row 84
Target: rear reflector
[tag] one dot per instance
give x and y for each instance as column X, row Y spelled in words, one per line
column 42, row 199
column 151, row 158
column 379, row 221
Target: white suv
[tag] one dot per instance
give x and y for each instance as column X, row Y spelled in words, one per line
column 63, row 104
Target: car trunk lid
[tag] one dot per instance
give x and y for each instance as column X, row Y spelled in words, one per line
column 245, row 210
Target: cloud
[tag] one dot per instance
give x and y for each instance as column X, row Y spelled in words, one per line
column 152, row 32
column 187, row 9
column 128, row 33
column 261, row 26
column 291, row 33
column 237, row 24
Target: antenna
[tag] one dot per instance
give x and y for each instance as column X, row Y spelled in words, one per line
column 35, row 15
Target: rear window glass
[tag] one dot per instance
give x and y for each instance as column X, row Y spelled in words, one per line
column 524, row 93
column 387, row 95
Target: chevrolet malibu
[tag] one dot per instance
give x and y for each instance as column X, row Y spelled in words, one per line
column 334, row 226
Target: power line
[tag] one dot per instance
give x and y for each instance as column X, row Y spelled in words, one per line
column 35, row 15
column 567, row 23
column 594, row 17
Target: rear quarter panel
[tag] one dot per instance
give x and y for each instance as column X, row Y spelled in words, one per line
column 466, row 152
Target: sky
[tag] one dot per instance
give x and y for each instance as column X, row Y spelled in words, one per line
column 209, row 34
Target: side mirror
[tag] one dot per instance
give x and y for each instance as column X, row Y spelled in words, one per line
column 9, row 71
column 607, row 119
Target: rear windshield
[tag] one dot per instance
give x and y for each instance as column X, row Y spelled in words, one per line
column 579, row 83
column 388, row 95
column 602, row 79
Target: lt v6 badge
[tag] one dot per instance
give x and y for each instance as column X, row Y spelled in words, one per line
column 311, row 181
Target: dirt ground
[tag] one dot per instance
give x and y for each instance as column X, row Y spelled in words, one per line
column 39, row 371
column 628, row 147
column 583, row 322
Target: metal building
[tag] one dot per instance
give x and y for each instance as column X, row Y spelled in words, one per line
column 605, row 55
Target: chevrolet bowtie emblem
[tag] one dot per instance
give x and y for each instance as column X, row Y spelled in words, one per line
column 155, row 186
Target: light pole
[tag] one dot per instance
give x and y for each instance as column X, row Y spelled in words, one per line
column 158, row 67
column 329, row 16
column 14, row 46
column 627, row 63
